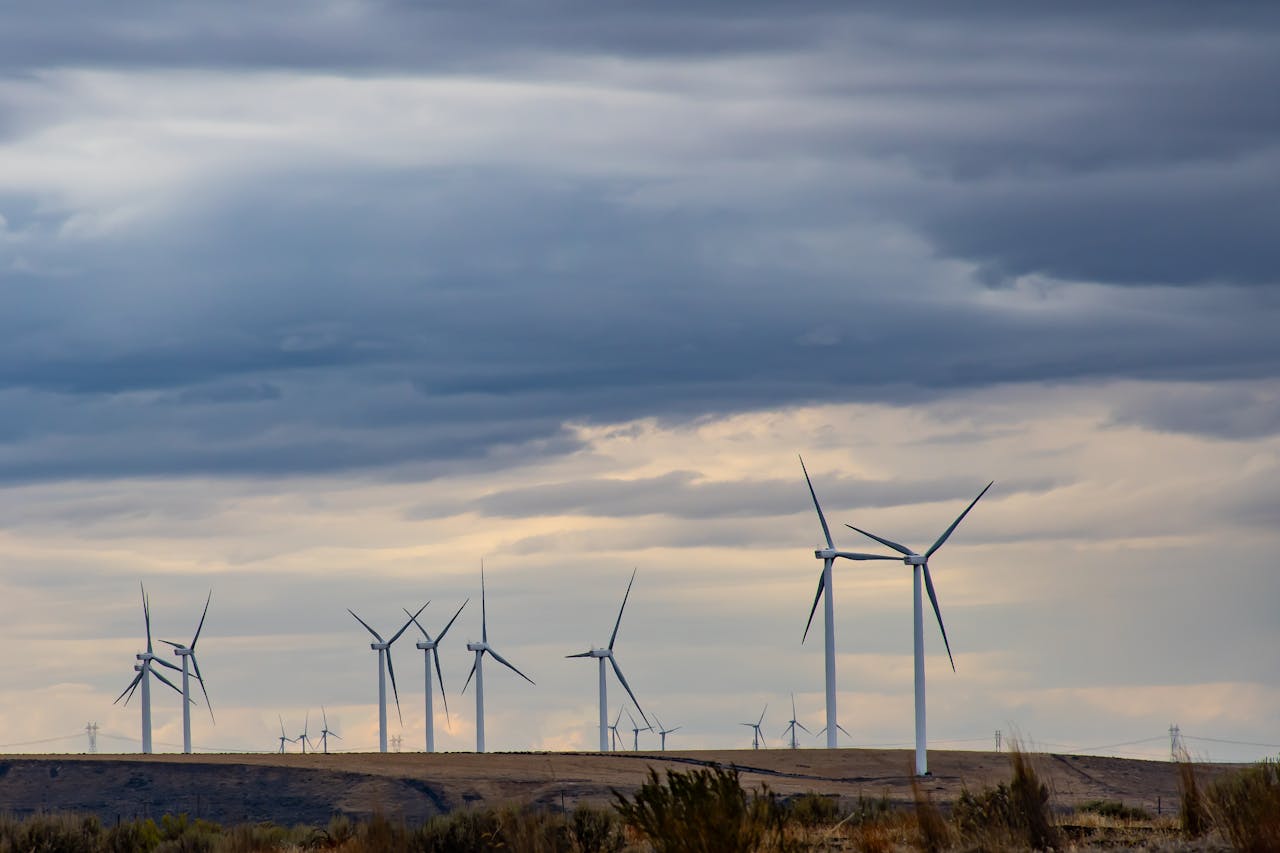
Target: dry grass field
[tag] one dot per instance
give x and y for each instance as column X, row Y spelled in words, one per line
column 296, row 788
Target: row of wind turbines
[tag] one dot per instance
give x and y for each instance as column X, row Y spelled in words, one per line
column 150, row 664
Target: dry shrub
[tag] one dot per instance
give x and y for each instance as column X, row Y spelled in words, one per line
column 705, row 811
column 1193, row 815
column 1029, row 798
column 1019, row 809
column 1246, row 806
column 935, row 835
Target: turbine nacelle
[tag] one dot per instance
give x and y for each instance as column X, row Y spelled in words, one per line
column 379, row 647
column 825, row 553
column 145, row 656
column 478, row 647
column 426, row 645
column 915, row 560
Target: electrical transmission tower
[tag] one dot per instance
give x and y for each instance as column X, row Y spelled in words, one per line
column 395, row 743
column 997, row 740
column 1176, row 749
column 91, row 729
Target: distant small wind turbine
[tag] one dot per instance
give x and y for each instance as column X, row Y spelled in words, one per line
column 283, row 737
column 383, row 648
column 615, row 738
column 429, row 650
column 757, row 735
column 636, row 729
column 477, row 669
column 920, row 566
column 663, row 732
column 302, row 738
column 325, row 733
column 794, row 724
column 839, row 728
column 188, row 653
column 828, row 556
column 601, row 655
column 144, row 670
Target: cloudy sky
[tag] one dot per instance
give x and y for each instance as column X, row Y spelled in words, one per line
column 319, row 304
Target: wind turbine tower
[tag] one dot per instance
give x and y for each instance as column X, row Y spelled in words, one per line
column 188, row 655
column 920, row 570
column 325, row 733
column 828, row 557
column 477, row 669
column 606, row 654
column 383, row 648
column 430, row 649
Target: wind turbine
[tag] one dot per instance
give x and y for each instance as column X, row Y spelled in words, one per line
column 429, row 650
column 144, row 670
column 613, row 732
column 283, row 738
column 828, row 556
column 325, row 733
column 188, row 654
column 601, row 655
column 794, row 724
column 636, row 729
column 383, row 648
column 302, row 738
column 757, row 737
column 920, row 567
column 477, row 669
column 663, row 732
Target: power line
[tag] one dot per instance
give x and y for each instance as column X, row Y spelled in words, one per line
column 42, row 740
column 1235, row 742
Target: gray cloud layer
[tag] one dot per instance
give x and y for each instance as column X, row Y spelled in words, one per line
column 812, row 205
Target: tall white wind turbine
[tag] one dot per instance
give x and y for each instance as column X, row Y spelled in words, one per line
column 794, row 724
column 663, row 731
column 145, row 670
column 920, row 567
column 757, row 736
column 383, row 648
column 325, row 732
column 430, row 649
column 828, row 556
column 477, row 669
column 189, row 662
column 606, row 654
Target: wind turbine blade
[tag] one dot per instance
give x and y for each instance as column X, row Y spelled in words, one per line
column 888, row 543
column 850, row 555
column 802, row 728
column 376, row 635
column 435, row 651
column 172, row 643
column 843, row 729
column 676, row 729
column 392, row 670
column 580, row 655
column 618, row 719
column 793, row 707
column 335, row 734
column 762, row 713
column 469, row 677
column 617, row 670
column 200, row 627
column 616, row 624
column 500, row 659
column 325, row 718
column 146, row 613
column 631, row 718
column 281, row 718
column 160, row 676
column 826, row 531
column 306, row 723
column 956, row 523
column 933, row 599
column 200, row 678
column 451, row 621
column 484, row 617
column 167, row 664
column 822, row 581
column 413, row 618
column 132, row 685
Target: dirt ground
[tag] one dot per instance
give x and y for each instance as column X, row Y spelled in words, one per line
column 295, row 788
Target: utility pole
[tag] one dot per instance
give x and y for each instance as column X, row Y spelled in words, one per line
column 997, row 740
column 1175, row 743
column 91, row 729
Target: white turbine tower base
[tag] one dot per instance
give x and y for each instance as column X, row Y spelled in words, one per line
column 828, row 557
column 920, row 571
column 477, row 670
column 606, row 654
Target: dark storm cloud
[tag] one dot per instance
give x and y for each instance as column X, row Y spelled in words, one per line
column 304, row 316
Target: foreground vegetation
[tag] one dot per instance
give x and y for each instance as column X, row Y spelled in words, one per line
column 707, row 811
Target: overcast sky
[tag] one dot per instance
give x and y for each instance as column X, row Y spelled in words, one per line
column 319, row 304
